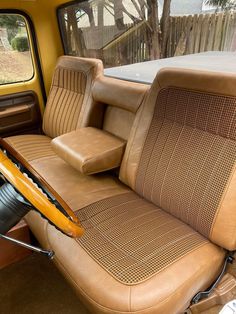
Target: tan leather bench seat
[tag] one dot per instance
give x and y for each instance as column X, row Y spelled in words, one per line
column 150, row 250
column 79, row 96
column 135, row 258
column 160, row 234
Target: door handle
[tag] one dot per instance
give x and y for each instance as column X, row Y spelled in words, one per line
column 6, row 112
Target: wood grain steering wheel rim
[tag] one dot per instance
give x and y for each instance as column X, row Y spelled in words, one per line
column 67, row 222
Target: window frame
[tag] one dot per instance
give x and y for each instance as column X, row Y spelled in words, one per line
column 59, row 22
column 33, row 50
column 203, row 13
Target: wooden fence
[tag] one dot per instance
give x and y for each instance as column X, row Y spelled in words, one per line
column 130, row 47
column 198, row 33
column 115, row 46
column 186, row 35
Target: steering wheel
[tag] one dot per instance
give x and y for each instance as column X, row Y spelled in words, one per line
column 33, row 188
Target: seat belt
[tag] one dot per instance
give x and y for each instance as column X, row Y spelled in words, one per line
column 204, row 294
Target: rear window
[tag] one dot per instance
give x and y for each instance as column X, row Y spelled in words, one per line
column 124, row 32
column 15, row 55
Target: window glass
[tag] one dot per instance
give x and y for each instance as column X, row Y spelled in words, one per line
column 15, row 56
column 128, row 31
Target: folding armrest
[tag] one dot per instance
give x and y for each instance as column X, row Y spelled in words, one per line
column 90, row 150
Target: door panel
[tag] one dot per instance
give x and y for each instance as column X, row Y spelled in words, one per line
column 22, row 93
column 19, row 113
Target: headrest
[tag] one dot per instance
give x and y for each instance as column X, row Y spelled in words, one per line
column 79, row 64
column 118, row 93
column 204, row 81
column 73, row 73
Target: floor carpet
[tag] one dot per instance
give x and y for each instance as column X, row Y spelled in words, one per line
column 35, row 286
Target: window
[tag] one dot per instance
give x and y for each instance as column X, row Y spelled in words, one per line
column 15, row 56
column 123, row 31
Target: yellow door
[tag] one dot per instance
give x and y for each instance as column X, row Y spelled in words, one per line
column 30, row 44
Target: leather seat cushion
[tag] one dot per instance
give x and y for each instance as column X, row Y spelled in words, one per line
column 140, row 258
column 76, row 189
column 31, row 147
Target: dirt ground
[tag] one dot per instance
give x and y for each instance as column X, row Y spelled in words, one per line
column 15, row 66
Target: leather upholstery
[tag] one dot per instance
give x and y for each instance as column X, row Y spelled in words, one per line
column 193, row 141
column 148, row 247
column 113, row 229
column 208, row 82
column 36, row 148
column 121, row 101
column 32, row 147
column 90, row 150
column 147, row 241
column 166, row 291
column 76, row 189
column 118, row 122
column 70, row 104
column 118, row 93
column 188, row 132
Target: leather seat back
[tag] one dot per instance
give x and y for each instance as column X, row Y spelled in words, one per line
column 120, row 101
column 182, row 151
column 70, row 103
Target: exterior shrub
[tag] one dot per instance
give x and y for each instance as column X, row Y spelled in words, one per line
column 20, row 43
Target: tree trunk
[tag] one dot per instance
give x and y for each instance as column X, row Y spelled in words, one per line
column 100, row 15
column 78, row 36
column 155, row 33
column 66, row 32
column 165, row 24
column 118, row 14
column 89, row 11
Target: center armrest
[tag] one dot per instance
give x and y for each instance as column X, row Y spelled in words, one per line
column 90, row 150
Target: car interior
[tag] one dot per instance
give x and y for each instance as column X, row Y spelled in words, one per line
column 128, row 187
